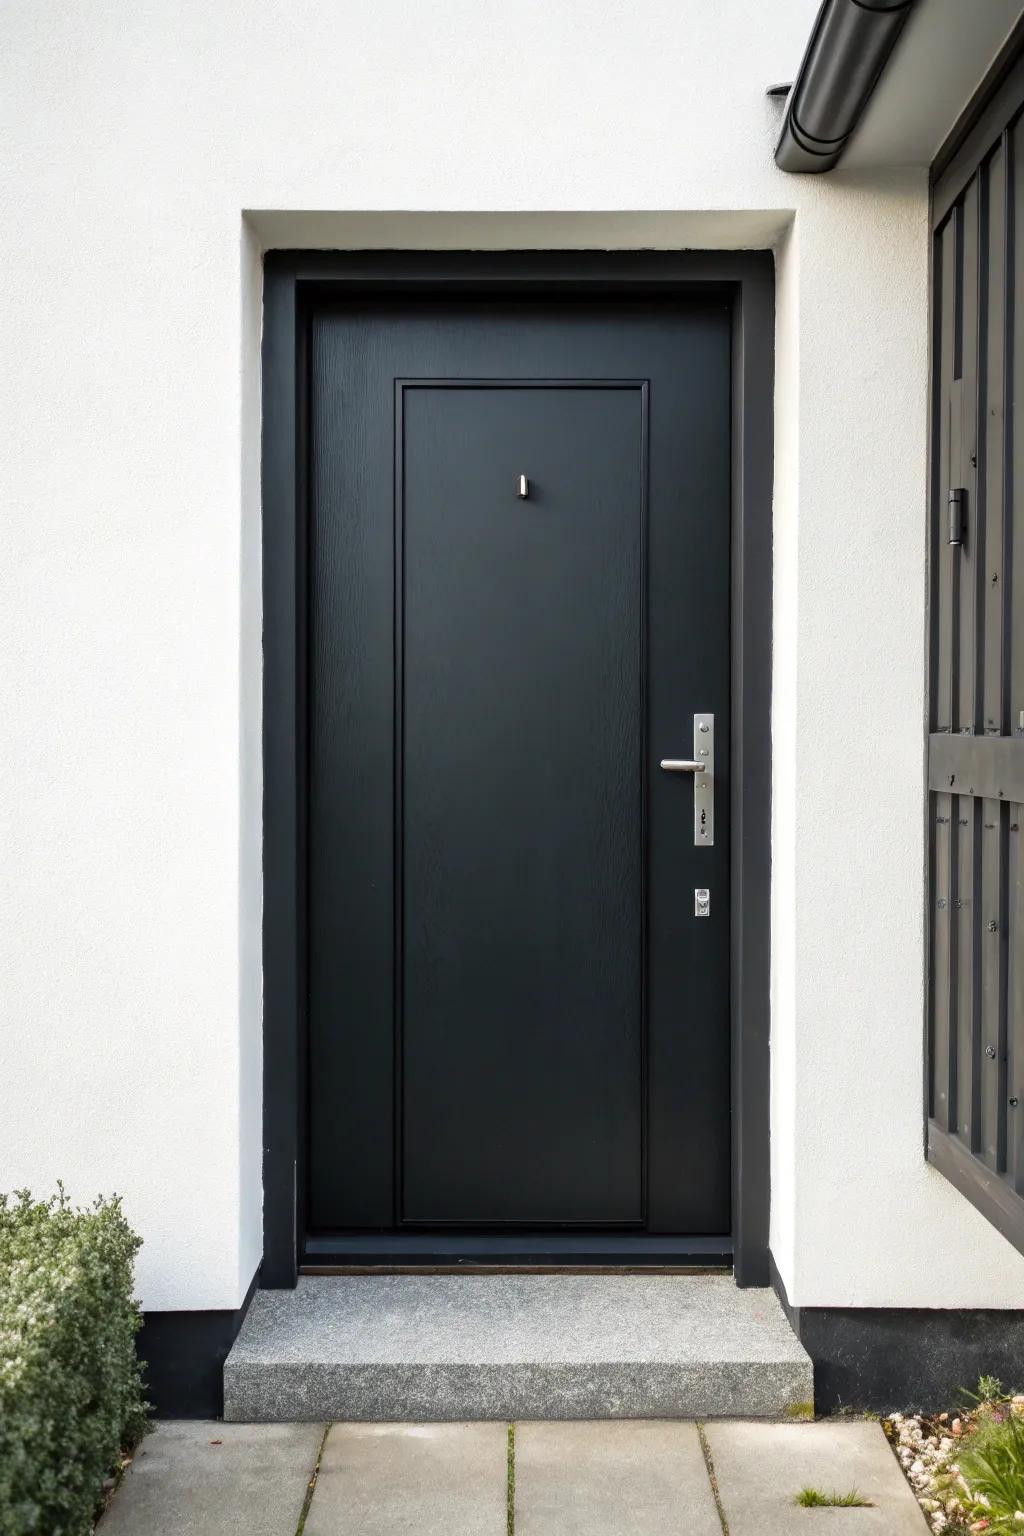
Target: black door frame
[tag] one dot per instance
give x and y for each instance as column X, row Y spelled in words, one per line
column 293, row 280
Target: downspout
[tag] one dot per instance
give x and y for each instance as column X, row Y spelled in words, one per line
column 848, row 49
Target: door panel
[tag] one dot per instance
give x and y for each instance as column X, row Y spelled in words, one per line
column 521, row 818
column 515, row 1016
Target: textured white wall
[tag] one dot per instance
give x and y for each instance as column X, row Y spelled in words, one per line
column 136, row 138
column 867, row 1222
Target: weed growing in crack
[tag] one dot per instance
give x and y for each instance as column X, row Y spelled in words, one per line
column 815, row 1498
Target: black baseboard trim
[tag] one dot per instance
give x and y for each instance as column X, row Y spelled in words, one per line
column 184, row 1354
column 883, row 1359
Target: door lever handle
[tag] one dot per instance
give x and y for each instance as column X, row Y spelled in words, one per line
column 702, row 766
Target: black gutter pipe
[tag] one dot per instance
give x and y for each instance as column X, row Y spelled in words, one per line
column 849, row 46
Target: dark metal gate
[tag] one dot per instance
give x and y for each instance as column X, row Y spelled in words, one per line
column 975, row 1087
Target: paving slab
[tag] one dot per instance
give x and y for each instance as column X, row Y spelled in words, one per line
column 514, row 1347
column 203, row 1478
column 761, row 1468
column 612, row 1479
column 431, row 1479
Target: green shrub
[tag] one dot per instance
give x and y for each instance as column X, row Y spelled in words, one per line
column 70, row 1383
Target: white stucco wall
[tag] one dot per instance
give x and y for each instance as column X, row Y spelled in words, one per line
column 150, row 149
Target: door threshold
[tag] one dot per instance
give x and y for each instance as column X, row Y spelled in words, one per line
column 519, row 1252
column 497, row 1268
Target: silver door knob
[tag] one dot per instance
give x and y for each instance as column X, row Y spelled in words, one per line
column 682, row 765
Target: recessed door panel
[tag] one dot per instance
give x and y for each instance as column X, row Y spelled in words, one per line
column 521, row 803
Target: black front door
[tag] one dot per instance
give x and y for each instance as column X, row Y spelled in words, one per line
column 518, row 599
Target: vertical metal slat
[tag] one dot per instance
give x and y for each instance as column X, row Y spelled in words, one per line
column 947, row 464
column 1013, row 623
column 1014, row 583
column 966, row 930
column 992, row 925
column 944, row 1055
column 967, row 557
column 1015, row 1006
column 991, row 670
column 942, row 987
column 966, row 699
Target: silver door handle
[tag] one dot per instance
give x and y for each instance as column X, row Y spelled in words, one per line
column 702, row 766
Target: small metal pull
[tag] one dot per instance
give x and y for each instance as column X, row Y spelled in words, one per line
column 524, row 488
column 682, row 765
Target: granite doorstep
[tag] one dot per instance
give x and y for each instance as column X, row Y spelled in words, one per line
column 366, row 1348
column 427, row 1318
column 620, row 1390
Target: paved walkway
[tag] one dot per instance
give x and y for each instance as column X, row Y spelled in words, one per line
column 613, row 1478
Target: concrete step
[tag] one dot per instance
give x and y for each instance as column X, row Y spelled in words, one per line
column 457, row 1347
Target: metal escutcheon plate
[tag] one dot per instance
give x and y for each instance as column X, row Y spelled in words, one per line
column 704, row 783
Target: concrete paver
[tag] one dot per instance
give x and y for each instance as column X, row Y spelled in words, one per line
column 431, row 1479
column 612, row 1478
column 761, row 1468
column 197, row 1478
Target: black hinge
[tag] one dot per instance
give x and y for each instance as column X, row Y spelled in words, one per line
column 957, row 515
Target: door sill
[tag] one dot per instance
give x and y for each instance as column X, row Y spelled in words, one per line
column 524, row 1252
